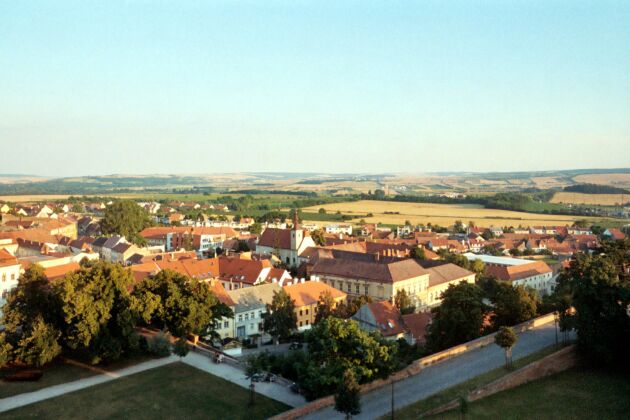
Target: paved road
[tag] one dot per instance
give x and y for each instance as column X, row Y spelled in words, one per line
column 230, row 373
column 438, row 377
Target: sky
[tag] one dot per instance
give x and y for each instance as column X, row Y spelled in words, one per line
column 133, row 87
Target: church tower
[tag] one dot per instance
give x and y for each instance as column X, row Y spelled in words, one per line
column 297, row 234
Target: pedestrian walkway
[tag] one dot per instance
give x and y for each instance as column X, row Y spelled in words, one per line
column 20, row 400
column 237, row 376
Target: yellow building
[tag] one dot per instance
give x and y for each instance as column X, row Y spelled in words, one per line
column 306, row 295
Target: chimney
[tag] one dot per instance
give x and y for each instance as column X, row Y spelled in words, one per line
column 302, row 280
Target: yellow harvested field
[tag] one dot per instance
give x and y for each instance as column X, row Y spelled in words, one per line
column 28, row 198
column 440, row 214
column 619, row 180
column 597, row 199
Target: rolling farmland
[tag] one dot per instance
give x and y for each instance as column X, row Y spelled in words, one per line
column 591, row 199
column 441, row 214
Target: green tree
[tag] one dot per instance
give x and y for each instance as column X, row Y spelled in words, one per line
column 98, row 313
column 351, row 306
column 418, row 253
column 256, row 228
column 336, row 345
column 125, row 218
column 325, row 306
column 280, row 319
column 6, row 351
column 459, row 318
column 348, row 396
column 599, row 290
column 318, row 237
column 40, row 345
column 183, row 305
column 506, row 338
column 459, row 227
column 513, row 305
column 403, row 302
column 181, row 347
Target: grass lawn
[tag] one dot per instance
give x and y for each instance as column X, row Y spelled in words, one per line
column 175, row 391
column 59, row 372
column 415, row 410
column 579, row 393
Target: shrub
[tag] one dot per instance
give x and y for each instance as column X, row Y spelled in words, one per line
column 160, row 344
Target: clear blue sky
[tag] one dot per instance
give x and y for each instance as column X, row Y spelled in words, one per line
column 342, row 86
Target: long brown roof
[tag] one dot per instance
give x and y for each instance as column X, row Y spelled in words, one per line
column 384, row 272
column 276, row 238
column 446, row 273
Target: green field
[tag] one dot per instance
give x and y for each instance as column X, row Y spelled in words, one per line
column 175, row 391
column 59, row 372
column 574, row 394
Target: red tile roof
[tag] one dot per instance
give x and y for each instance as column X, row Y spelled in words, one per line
column 59, row 271
column 276, row 238
column 387, row 317
column 7, row 259
column 308, row 293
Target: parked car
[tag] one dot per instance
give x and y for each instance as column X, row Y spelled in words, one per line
column 295, row 345
column 270, row 377
column 295, row 388
column 257, row 377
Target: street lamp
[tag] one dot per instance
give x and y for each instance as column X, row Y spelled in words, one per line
column 392, row 398
column 555, row 323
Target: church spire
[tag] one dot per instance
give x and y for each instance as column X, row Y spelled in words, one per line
column 296, row 220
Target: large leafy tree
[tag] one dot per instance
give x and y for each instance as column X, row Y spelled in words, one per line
column 348, row 396
column 280, row 319
column 599, row 289
column 335, row 346
column 125, row 218
column 98, row 312
column 513, row 305
column 177, row 302
column 29, row 318
column 459, row 318
column 39, row 345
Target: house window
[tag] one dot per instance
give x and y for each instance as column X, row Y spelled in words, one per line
column 240, row 318
column 367, row 288
column 300, row 312
column 300, row 323
column 246, row 317
column 307, row 322
column 4, row 276
column 349, row 286
column 356, row 288
column 13, row 276
column 226, row 324
column 307, row 312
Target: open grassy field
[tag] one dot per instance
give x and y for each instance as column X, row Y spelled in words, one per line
column 29, row 198
column 59, row 372
column 574, row 394
column 175, row 391
column 593, row 199
column 441, row 214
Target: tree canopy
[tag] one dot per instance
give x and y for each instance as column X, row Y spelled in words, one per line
column 125, row 218
column 348, row 396
column 183, row 305
column 337, row 345
column 459, row 318
column 513, row 305
column 598, row 287
column 280, row 319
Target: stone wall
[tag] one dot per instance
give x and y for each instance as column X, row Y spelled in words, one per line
column 549, row 365
column 414, row 368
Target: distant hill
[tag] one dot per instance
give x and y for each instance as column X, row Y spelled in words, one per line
column 595, row 189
